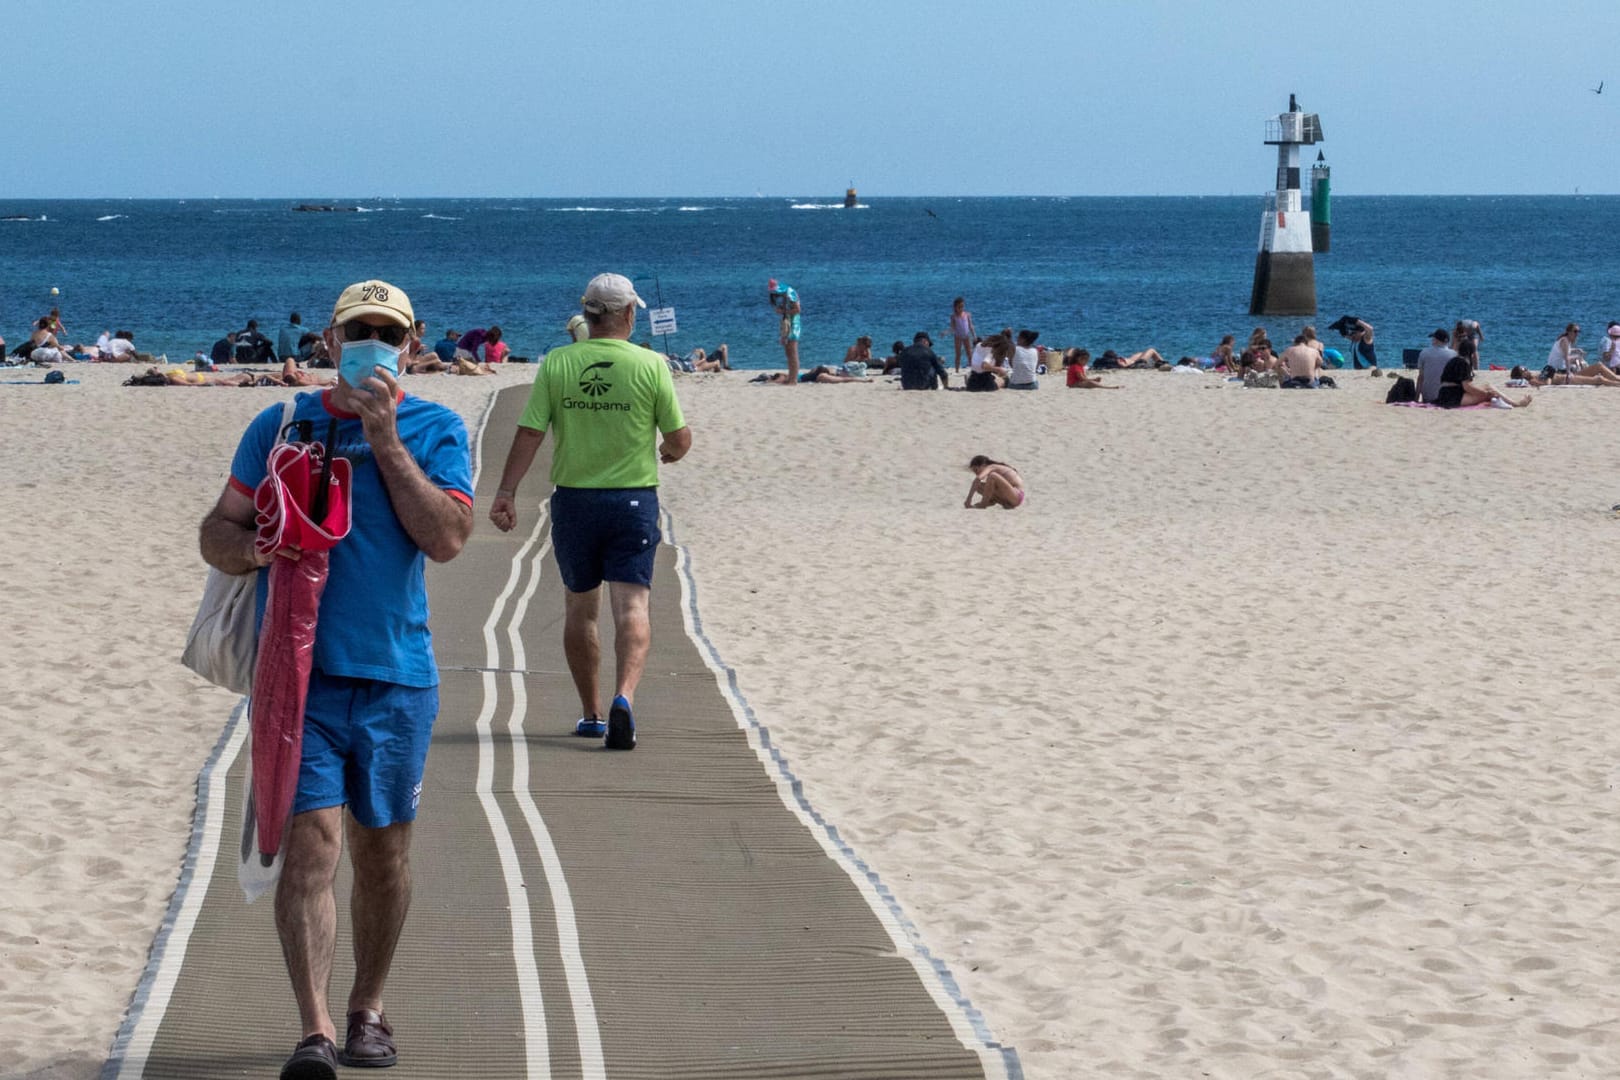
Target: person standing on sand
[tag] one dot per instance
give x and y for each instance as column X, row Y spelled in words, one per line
column 995, row 483
column 373, row 687
column 785, row 301
column 1361, row 343
column 962, row 330
column 606, row 399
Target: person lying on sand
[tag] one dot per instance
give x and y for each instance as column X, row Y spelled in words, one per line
column 995, row 483
column 1075, row 362
column 821, row 373
column 292, row 376
column 1554, row 377
column 1145, row 359
column 182, row 377
column 429, row 364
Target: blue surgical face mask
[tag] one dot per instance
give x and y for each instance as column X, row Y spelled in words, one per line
column 360, row 357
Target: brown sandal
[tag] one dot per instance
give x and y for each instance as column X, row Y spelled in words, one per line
column 313, row 1059
column 369, row 1043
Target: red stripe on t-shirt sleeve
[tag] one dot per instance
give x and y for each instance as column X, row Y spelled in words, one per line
column 459, row 495
column 243, row 488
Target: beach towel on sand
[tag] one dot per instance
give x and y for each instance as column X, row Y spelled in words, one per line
column 302, row 504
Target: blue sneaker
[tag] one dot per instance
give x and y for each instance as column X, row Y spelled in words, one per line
column 621, row 726
column 591, row 727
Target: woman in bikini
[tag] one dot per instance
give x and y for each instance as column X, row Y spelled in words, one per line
column 961, row 329
column 995, row 483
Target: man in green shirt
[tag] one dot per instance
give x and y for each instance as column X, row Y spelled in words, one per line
column 607, row 400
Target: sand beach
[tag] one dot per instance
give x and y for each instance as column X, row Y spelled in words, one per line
column 1272, row 737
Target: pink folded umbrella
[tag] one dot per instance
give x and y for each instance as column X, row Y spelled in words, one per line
column 303, row 504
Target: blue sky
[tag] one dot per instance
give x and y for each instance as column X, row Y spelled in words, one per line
column 504, row 98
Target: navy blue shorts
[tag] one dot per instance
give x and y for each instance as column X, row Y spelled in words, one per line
column 604, row 534
column 365, row 747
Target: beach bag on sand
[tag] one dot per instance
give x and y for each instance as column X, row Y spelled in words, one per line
column 1402, row 391
column 224, row 643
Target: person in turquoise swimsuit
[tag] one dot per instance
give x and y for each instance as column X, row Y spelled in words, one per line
column 786, row 304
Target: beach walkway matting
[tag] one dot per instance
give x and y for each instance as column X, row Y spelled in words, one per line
column 675, row 911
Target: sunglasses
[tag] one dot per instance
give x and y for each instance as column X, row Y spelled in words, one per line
column 388, row 335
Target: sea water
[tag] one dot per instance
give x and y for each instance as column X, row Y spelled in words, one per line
column 1103, row 273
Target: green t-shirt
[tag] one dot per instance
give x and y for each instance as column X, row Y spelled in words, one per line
column 603, row 398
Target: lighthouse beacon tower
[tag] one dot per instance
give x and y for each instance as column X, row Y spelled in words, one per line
column 1284, row 270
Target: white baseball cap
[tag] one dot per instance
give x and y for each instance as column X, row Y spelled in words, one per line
column 610, row 292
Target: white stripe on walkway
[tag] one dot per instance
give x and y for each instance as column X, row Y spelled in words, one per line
column 965, row 1021
column 193, row 888
column 579, row 990
column 537, row 1049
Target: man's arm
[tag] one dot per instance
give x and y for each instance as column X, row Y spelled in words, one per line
column 436, row 521
column 227, row 533
column 525, row 444
column 675, row 445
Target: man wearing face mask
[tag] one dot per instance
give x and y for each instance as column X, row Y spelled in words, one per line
column 373, row 688
column 607, row 400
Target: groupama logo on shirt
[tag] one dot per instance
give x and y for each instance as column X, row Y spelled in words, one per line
column 594, row 385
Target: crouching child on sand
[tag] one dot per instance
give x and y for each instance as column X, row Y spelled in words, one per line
column 995, row 483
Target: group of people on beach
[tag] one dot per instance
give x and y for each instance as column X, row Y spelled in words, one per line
column 1447, row 371
column 47, row 345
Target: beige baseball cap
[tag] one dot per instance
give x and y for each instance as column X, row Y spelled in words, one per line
column 374, row 298
column 610, row 292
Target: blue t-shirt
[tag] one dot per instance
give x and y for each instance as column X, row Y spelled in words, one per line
column 374, row 611
column 287, row 341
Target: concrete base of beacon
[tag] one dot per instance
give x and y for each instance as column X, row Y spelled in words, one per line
column 1284, row 284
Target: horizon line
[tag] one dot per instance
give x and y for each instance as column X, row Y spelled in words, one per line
column 331, row 199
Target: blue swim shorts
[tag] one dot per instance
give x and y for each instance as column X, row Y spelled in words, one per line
column 365, row 746
column 604, row 534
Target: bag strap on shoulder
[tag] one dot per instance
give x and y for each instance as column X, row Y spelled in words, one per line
column 288, row 407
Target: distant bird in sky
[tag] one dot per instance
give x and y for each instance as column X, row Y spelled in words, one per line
column 1599, row 89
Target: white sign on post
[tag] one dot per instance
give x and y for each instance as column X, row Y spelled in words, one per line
column 663, row 320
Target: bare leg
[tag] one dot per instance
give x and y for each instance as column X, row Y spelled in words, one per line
column 632, row 634
column 581, row 646
column 791, row 350
column 723, row 354
column 997, row 491
column 381, row 898
column 960, row 342
column 306, row 913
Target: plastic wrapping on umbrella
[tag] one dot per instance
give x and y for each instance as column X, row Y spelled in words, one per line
column 303, row 504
